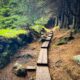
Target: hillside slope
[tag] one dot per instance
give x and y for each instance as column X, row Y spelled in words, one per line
column 62, row 66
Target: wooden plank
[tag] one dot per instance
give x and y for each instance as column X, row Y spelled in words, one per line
column 48, row 39
column 50, row 35
column 45, row 44
column 31, row 68
column 51, row 32
column 43, row 59
column 42, row 73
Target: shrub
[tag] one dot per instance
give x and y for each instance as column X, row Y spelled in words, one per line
column 5, row 12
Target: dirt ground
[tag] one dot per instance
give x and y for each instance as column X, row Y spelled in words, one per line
column 31, row 49
column 62, row 67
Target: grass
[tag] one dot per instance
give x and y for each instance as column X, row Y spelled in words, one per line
column 11, row 33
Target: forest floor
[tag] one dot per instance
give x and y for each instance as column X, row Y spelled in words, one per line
column 61, row 65
column 32, row 50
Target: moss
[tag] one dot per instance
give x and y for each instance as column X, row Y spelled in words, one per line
column 11, row 33
column 38, row 28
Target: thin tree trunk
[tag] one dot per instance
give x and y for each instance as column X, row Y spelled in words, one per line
column 56, row 21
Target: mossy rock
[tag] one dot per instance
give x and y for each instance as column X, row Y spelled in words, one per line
column 21, row 72
column 77, row 59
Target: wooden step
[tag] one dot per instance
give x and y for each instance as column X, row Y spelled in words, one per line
column 45, row 44
column 51, row 32
column 43, row 59
column 48, row 39
column 50, row 35
column 31, row 68
column 42, row 73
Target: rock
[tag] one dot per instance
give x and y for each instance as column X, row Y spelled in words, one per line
column 77, row 59
column 19, row 70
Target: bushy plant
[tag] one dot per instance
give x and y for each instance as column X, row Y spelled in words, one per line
column 5, row 12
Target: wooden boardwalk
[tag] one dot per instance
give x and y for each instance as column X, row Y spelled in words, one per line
column 42, row 59
column 48, row 38
column 31, row 68
column 42, row 71
column 45, row 44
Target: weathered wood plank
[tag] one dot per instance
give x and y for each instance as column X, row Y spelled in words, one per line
column 50, row 35
column 45, row 44
column 31, row 68
column 43, row 59
column 48, row 39
column 42, row 73
column 51, row 32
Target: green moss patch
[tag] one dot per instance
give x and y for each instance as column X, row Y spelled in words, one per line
column 11, row 33
column 38, row 28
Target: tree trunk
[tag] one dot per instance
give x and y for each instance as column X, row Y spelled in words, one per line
column 56, row 21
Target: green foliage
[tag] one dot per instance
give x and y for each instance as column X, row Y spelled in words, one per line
column 11, row 33
column 6, row 22
column 42, row 20
column 15, row 15
column 21, row 21
column 24, row 12
column 38, row 28
column 13, row 22
column 5, row 11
